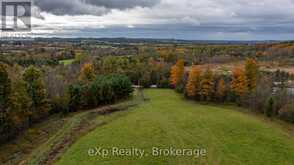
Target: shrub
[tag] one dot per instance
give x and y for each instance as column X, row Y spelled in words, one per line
column 180, row 88
column 163, row 83
column 287, row 113
column 270, row 107
column 145, row 80
column 59, row 104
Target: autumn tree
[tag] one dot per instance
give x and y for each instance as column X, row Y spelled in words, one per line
column 251, row 71
column 36, row 90
column 20, row 104
column 193, row 84
column 238, row 84
column 160, row 73
column 206, row 85
column 177, row 73
column 221, row 90
column 168, row 54
column 144, row 74
column 87, row 72
column 5, row 88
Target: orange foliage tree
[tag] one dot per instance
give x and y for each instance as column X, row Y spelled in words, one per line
column 239, row 84
column 193, row 84
column 177, row 73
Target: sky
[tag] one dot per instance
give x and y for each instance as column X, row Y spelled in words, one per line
column 172, row 19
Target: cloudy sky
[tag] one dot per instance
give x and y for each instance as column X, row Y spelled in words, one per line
column 180, row 19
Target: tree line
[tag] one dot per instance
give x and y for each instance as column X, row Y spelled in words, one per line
column 25, row 100
column 247, row 86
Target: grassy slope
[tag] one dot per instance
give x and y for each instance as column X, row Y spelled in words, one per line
column 46, row 141
column 230, row 137
column 76, row 126
column 15, row 151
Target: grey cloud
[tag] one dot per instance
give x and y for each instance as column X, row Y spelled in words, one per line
column 91, row 7
column 263, row 18
column 122, row 4
column 69, row 7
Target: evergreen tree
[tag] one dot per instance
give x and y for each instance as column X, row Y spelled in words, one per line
column 251, row 71
column 270, row 107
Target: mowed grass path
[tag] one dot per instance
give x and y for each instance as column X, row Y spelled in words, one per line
column 168, row 120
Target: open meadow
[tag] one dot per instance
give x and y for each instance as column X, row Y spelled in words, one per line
column 229, row 135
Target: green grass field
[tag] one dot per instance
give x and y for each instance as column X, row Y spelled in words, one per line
column 168, row 120
column 66, row 62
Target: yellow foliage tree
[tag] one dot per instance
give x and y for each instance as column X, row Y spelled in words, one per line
column 207, row 84
column 193, row 84
column 221, row 89
column 239, row 84
column 87, row 72
column 177, row 73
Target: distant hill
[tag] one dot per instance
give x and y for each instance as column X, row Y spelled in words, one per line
column 139, row 40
